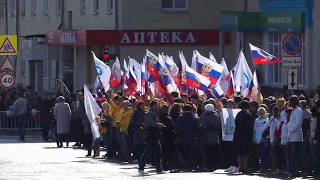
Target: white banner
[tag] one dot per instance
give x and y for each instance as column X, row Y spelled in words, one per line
column 228, row 117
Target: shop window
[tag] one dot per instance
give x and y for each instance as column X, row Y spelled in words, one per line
column 174, row 4
column 275, row 48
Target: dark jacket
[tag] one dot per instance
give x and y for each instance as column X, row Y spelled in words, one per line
column 167, row 132
column 136, row 124
column 186, row 129
column 243, row 135
column 151, row 127
column 210, row 128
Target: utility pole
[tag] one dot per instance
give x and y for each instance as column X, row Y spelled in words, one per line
column 6, row 30
column 116, row 23
column 243, row 35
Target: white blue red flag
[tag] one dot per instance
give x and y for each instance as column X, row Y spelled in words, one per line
column 116, row 74
column 196, row 80
column 260, row 56
column 208, row 68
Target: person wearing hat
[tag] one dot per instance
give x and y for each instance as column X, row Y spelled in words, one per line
column 78, row 115
column 209, row 134
column 62, row 112
column 195, row 100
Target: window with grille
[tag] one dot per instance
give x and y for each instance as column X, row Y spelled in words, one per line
column 275, row 48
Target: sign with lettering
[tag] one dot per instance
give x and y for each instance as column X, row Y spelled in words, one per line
column 264, row 21
column 291, row 61
column 68, row 37
column 136, row 37
column 283, row 22
column 155, row 37
column 239, row 21
column 61, row 37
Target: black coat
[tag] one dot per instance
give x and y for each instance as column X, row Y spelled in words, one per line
column 243, row 134
column 167, row 132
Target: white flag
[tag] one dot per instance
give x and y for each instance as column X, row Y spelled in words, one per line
column 92, row 111
column 104, row 72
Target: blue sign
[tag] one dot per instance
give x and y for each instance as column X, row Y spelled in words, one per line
column 248, row 81
column 292, row 44
column 99, row 70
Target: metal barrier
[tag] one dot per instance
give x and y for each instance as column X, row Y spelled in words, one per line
column 8, row 123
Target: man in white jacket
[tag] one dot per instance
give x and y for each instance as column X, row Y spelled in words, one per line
column 295, row 135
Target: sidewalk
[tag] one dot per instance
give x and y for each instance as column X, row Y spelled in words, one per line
column 15, row 139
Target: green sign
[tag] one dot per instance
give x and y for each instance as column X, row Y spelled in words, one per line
column 239, row 21
column 266, row 21
column 282, row 22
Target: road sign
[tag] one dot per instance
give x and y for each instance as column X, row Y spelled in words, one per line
column 291, row 61
column 292, row 44
column 7, row 65
column 292, row 79
column 7, row 80
column 8, row 45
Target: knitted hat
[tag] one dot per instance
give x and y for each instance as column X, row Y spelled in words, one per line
column 281, row 102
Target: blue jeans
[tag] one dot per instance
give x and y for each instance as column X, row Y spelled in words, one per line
column 21, row 124
column 106, row 141
column 124, row 146
column 263, row 154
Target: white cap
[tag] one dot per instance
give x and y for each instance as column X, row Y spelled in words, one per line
column 209, row 107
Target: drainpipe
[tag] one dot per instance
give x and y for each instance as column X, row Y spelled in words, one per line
column 61, row 15
column 6, row 17
column 62, row 6
column 116, row 23
column 17, row 31
column 243, row 34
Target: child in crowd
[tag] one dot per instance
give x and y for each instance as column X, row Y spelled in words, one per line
column 284, row 140
column 260, row 125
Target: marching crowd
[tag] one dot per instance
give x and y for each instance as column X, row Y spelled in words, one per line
column 190, row 133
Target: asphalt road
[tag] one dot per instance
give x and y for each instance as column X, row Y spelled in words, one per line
column 34, row 160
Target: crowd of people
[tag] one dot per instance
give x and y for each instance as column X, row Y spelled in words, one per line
column 278, row 137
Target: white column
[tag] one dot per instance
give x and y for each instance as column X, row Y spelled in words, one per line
column 74, row 69
column 61, row 67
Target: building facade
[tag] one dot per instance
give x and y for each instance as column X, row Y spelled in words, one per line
column 56, row 37
column 283, row 28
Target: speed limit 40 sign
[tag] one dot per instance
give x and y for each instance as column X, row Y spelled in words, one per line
column 7, row 80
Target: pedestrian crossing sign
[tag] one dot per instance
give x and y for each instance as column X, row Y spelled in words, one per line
column 7, row 65
column 8, row 45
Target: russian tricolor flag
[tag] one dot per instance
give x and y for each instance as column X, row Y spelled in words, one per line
column 208, row 68
column 153, row 66
column 260, row 56
column 230, row 80
column 116, row 74
column 196, row 80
